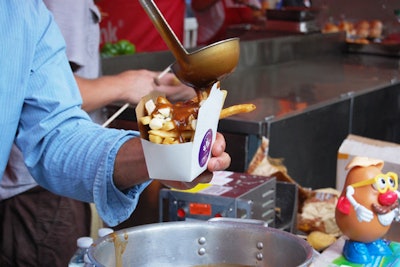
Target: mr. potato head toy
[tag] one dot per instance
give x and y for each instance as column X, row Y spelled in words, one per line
column 366, row 208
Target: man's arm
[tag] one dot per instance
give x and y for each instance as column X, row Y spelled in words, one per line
column 129, row 87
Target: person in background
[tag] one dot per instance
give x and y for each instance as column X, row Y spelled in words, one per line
column 38, row 227
column 127, row 20
column 215, row 16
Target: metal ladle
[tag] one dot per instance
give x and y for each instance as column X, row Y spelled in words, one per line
column 203, row 67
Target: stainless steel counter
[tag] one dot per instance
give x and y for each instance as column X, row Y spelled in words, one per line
column 307, row 107
column 309, row 96
column 308, row 83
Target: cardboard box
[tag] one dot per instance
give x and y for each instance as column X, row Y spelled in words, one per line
column 355, row 145
column 184, row 161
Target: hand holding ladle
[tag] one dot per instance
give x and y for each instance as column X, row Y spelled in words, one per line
column 199, row 69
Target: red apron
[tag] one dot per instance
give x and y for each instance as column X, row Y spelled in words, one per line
column 234, row 14
column 126, row 19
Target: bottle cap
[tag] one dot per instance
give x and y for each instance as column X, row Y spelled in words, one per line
column 104, row 231
column 84, row 242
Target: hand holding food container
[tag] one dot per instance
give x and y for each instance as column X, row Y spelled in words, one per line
column 177, row 138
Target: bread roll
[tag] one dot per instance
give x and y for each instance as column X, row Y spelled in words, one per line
column 376, row 27
column 330, row 27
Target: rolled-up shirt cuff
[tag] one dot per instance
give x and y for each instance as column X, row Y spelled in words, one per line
column 116, row 206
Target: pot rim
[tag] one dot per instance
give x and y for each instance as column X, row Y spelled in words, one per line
column 215, row 224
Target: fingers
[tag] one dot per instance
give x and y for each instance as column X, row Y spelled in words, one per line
column 173, row 88
column 168, row 79
column 220, row 160
column 219, row 145
column 219, row 163
column 205, row 177
column 177, row 93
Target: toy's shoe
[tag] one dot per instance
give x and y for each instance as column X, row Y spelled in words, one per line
column 356, row 252
column 379, row 248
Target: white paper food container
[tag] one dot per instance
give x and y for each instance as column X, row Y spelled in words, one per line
column 185, row 161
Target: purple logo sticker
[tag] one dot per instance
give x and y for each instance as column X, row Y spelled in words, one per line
column 205, row 148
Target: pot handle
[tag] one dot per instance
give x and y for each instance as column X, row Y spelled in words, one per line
column 238, row 221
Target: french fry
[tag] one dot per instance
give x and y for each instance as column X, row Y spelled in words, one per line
column 155, row 139
column 168, row 126
column 188, row 135
column 164, row 134
column 163, row 100
column 236, row 109
column 169, row 141
column 170, row 137
column 145, row 120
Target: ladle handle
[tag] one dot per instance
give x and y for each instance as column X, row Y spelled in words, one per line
column 165, row 30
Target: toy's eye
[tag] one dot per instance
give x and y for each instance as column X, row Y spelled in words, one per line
column 392, row 182
column 380, row 183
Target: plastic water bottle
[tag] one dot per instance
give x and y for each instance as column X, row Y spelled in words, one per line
column 102, row 232
column 87, row 261
column 78, row 260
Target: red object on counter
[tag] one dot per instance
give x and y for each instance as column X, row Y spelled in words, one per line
column 393, row 38
column 200, row 209
column 126, row 19
column 181, row 213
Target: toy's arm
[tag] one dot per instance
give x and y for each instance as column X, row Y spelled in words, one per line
column 397, row 210
column 397, row 215
column 363, row 214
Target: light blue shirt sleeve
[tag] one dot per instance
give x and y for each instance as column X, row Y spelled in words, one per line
column 64, row 150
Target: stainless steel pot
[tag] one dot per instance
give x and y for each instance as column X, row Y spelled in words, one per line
column 218, row 242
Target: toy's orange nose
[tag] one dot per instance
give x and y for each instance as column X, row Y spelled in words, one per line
column 387, row 198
